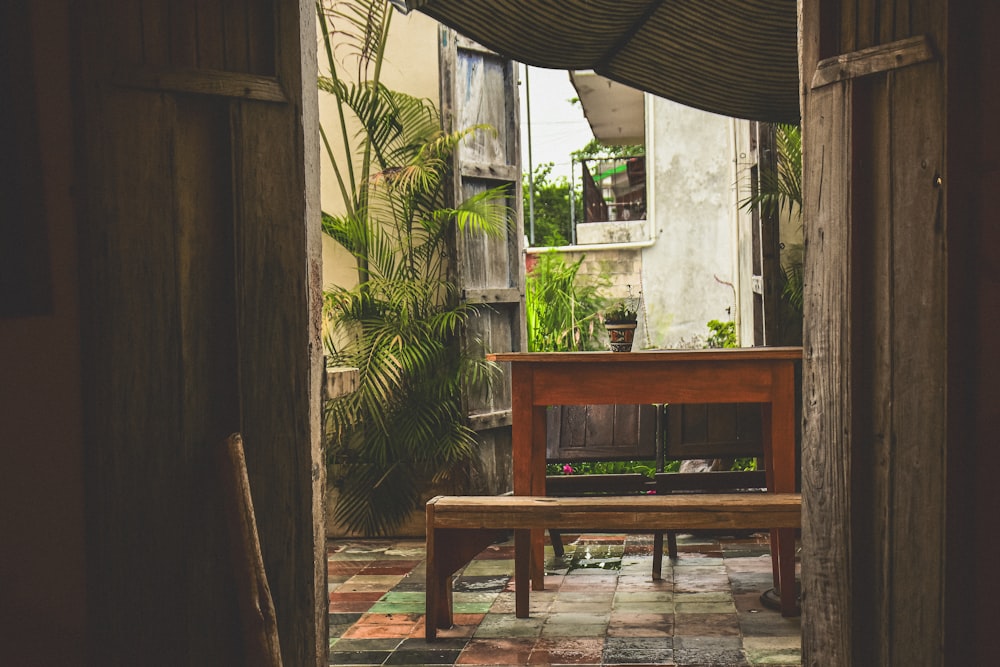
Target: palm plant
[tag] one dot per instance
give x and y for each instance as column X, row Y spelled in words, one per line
column 401, row 325
column 780, row 190
column 561, row 310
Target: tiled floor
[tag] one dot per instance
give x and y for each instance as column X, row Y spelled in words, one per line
column 599, row 607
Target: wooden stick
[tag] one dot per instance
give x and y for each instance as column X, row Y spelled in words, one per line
column 260, row 626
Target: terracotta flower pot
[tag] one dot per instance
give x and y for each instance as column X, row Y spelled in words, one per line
column 621, row 336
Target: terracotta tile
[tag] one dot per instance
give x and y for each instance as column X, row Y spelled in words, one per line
column 349, row 605
column 396, row 566
column 706, row 625
column 569, row 651
column 497, row 651
column 355, row 596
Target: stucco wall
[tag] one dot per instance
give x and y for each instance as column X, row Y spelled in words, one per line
column 689, row 273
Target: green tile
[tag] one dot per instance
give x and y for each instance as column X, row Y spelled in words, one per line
column 704, row 608
column 643, row 596
column 402, row 597
column 398, row 608
column 472, row 607
column 507, row 625
column 709, row 596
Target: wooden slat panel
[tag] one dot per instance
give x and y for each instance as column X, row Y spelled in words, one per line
column 918, row 326
column 271, row 252
column 601, row 432
column 478, row 88
column 484, row 78
column 183, row 21
column 237, row 51
column 136, row 460
column 203, row 82
column 155, row 36
column 211, row 23
column 826, row 453
column 261, row 29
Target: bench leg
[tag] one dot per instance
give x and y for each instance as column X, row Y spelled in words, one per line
column 522, row 572
column 555, row 538
column 657, row 555
column 783, row 541
column 448, row 550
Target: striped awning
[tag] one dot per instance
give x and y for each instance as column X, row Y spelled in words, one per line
column 733, row 57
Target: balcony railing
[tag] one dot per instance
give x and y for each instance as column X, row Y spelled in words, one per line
column 614, row 189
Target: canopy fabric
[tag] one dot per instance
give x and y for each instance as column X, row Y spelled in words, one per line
column 733, row 57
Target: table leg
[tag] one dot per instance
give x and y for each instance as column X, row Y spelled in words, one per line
column 538, row 437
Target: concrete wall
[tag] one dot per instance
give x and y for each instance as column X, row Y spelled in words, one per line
column 689, row 275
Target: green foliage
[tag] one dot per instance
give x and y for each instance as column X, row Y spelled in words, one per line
column 621, row 312
column 595, row 149
column 404, row 427
column 723, row 334
column 647, row 468
column 779, row 191
column 561, row 309
column 782, row 188
column 551, row 205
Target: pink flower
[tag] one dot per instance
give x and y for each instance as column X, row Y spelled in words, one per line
column 651, row 492
column 567, row 469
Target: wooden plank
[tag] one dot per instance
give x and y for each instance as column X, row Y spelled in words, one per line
column 491, row 294
column 627, row 513
column 183, row 33
column 211, row 23
column 260, row 627
column 873, row 60
column 275, row 263
column 237, row 54
column 499, row 172
column 916, row 503
column 826, row 454
column 644, row 357
column 203, row 82
column 487, row 420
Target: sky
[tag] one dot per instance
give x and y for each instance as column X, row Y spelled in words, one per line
column 556, row 126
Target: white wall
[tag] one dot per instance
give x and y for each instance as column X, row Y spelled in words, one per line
column 689, row 274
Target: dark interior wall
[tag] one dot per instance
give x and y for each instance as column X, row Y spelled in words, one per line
column 974, row 317
column 169, row 311
column 43, row 611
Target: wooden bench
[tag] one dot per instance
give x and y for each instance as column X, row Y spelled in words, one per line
column 460, row 527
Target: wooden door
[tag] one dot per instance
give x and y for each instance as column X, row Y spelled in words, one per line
column 479, row 86
column 875, row 372
column 200, row 307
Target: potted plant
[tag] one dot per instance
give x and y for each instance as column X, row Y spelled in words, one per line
column 620, row 321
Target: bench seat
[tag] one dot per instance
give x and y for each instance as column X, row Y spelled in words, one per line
column 460, row 527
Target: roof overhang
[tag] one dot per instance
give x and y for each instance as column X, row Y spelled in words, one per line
column 615, row 111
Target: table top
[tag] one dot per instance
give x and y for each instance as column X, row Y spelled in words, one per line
column 647, row 356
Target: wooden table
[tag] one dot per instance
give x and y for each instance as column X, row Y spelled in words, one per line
column 744, row 375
